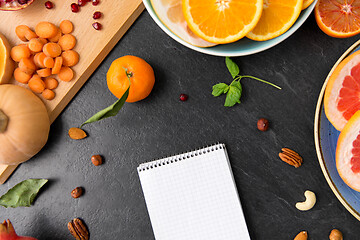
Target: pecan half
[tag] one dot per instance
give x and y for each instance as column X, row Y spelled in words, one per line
column 78, row 229
column 291, row 157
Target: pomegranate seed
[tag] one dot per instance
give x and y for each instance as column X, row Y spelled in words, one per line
column 22, row 2
column 74, row 7
column 183, row 97
column 49, row 5
column 95, row 2
column 97, row 15
column 82, row 2
column 7, row 1
column 97, row 25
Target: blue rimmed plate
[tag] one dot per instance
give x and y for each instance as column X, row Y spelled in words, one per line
column 242, row 47
column 326, row 137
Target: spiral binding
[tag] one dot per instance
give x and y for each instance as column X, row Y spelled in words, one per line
column 180, row 157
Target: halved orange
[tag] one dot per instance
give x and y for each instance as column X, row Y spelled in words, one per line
column 306, row 3
column 6, row 63
column 348, row 153
column 342, row 93
column 171, row 15
column 222, row 21
column 277, row 17
column 338, row 18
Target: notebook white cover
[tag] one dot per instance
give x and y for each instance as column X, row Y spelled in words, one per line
column 193, row 196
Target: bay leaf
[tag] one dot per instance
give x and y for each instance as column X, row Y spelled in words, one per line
column 110, row 111
column 22, row 194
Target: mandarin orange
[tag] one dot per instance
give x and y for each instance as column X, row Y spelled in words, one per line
column 134, row 71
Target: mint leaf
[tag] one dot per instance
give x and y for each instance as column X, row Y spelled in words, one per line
column 232, row 67
column 110, row 111
column 234, row 94
column 236, row 84
column 23, row 194
column 219, row 89
column 234, row 91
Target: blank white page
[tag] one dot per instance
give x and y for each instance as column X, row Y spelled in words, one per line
column 193, row 196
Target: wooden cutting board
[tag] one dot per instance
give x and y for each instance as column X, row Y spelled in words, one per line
column 92, row 45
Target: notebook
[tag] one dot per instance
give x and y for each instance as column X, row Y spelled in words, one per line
column 193, row 196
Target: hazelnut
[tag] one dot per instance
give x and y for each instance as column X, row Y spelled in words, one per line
column 96, row 160
column 77, row 192
column 263, row 124
column 335, row 235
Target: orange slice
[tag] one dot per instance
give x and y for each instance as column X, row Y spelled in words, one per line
column 348, row 153
column 222, row 21
column 306, row 3
column 277, row 17
column 342, row 93
column 6, row 64
column 338, row 18
column 170, row 14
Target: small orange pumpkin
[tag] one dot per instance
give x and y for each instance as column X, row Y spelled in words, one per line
column 24, row 124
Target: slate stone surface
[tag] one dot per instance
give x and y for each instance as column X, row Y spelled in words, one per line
column 113, row 206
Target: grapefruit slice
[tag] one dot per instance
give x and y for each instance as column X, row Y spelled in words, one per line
column 222, row 21
column 348, row 153
column 277, row 17
column 337, row 18
column 342, row 94
column 6, row 63
column 171, row 15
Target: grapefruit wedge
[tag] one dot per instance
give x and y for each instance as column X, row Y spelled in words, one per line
column 342, row 94
column 171, row 15
column 348, row 153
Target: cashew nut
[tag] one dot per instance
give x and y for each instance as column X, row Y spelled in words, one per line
column 309, row 202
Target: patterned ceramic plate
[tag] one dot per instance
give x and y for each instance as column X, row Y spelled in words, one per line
column 326, row 137
column 242, row 47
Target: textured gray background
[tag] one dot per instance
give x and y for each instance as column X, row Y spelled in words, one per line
column 113, row 206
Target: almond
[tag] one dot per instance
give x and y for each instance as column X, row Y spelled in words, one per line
column 335, row 235
column 77, row 133
column 301, row 236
